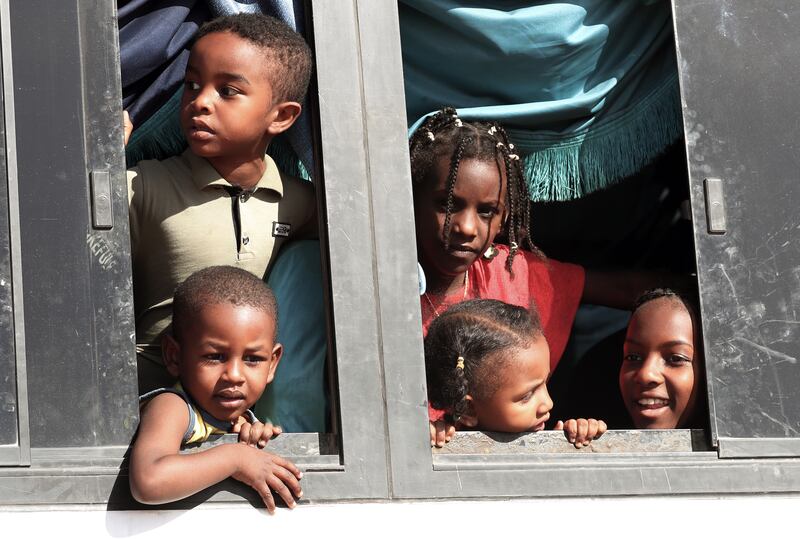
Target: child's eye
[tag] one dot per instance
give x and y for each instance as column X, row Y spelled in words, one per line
column 633, row 357
column 191, row 85
column 228, row 91
column 527, row 397
column 254, row 359
column 488, row 213
column 213, row 357
column 678, row 359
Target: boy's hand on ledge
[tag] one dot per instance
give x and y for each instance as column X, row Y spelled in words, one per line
column 441, row 432
column 581, row 432
column 256, row 434
column 263, row 471
column 127, row 126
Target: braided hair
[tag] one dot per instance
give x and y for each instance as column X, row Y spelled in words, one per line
column 466, row 346
column 687, row 299
column 444, row 134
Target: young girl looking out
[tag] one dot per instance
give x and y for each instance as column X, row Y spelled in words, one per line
column 487, row 365
column 660, row 378
column 468, row 187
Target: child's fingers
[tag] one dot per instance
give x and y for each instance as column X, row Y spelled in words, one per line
column 570, row 430
column 244, row 432
column 450, row 432
column 266, row 497
column 601, row 428
column 289, row 479
column 559, row 425
column 283, row 463
column 437, row 433
column 256, row 432
column 583, row 430
column 269, row 431
column 276, row 483
column 127, row 126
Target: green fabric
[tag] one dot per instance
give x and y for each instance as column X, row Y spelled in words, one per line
column 161, row 137
column 588, row 90
column 297, row 399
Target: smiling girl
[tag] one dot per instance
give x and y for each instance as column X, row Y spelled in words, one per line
column 660, row 377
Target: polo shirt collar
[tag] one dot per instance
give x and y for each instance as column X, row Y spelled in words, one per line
column 204, row 175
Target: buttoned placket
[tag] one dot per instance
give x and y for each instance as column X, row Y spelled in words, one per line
column 239, row 197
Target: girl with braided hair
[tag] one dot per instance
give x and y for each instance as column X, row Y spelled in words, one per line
column 468, row 188
column 487, row 365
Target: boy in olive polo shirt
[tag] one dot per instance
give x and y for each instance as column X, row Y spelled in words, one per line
column 223, row 201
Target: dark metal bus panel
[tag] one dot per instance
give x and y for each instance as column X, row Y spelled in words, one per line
column 73, row 225
column 739, row 74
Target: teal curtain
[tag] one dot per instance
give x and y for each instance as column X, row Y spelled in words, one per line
column 588, row 90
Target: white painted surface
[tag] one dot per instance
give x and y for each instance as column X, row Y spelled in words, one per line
column 650, row 518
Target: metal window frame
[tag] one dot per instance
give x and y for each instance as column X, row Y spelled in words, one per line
column 384, row 450
column 416, row 471
column 359, row 471
column 19, row 454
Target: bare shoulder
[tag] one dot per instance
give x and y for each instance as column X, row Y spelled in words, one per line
column 164, row 408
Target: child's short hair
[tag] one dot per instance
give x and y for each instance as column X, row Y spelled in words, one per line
column 220, row 284
column 466, row 345
column 287, row 52
column 444, row 134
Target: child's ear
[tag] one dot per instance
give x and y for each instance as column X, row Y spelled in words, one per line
column 283, row 115
column 170, row 350
column 277, row 354
column 469, row 419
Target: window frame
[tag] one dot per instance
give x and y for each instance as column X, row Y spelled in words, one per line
column 384, row 450
column 98, row 474
column 18, row 454
column 417, row 472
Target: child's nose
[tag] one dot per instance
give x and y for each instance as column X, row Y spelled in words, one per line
column 547, row 403
column 234, row 371
column 203, row 100
column 650, row 372
column 465, row 224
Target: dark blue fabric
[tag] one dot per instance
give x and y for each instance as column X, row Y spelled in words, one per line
column 154, row 39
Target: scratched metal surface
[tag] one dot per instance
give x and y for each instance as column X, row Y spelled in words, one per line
column 77, row 283
column 740, row 71
column 548, row 442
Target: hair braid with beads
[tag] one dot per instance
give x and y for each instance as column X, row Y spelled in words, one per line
column 483, row 332
column 444, row 135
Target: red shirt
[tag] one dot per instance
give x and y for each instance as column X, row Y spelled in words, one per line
column 555, row 288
